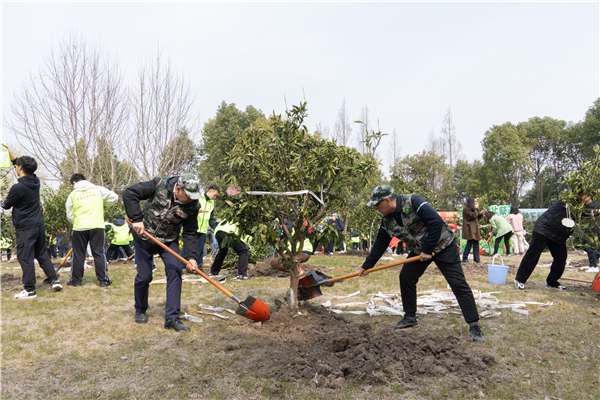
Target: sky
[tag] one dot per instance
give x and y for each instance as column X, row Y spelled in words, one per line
column 490, row 63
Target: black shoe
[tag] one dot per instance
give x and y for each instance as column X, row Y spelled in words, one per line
column 141, row 318
column 73, row 283
column 407, row 322
column 465, row 261
column 242, row 278
column 105, row 283
column 175, row 323
column 475, row 332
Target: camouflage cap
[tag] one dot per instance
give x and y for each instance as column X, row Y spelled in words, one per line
column 379, row 193
column 191, row 185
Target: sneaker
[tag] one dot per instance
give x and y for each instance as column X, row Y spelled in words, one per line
column 475, row 332
column 105, row 283
column 243, row 278
column 141, row 318
column 56, row 286
column 25, row 295
column 559, row 287
column 519, row 285
column 407, row 322
column 175, row 323
column 73, row 283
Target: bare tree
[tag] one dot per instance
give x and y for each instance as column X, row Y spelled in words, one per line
column 342, row 128
column 363, row 130
column 394, row 151
column 162, row 108
column 451, row 145
column 323, row 130
column 435, row 144
column 72, row 114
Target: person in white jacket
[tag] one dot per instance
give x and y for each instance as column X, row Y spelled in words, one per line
column 515, row 219
column 85, row 210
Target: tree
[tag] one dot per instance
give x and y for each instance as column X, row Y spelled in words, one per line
column 161, row 111
column 506, row 163
column 76, row 97
column 424, row 174
column 363, row 131
column 589, row 132
column 547, row 146
column 282, row 157
column 219, row 136
column 394, row 151
column 451, row 146
column 179, row 155
column 584, row 180
column 342, row 128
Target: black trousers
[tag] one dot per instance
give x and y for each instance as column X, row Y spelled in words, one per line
column 31, row 244
column 112, row 253
column 506, row 243
column 96, row 239
column 530, row 259
column 144, row 258
column 475, row 245
column 240, row 248
column 448, row 261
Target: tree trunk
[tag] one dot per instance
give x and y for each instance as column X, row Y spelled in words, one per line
column 294, row 278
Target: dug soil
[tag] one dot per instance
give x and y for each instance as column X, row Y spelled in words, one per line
column 330, row 351
column 264, row 268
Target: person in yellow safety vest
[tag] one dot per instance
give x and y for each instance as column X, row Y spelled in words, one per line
column 52, row 246
column 85, row 210
column 307, row 249
column 121, row 233
column 221, row 231
column 6, row 244
column 206, row 219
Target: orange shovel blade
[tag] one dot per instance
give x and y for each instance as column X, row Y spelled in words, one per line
column 254, row 309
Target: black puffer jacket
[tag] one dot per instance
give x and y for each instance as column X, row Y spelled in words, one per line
column 550, row 224
column 24, row 198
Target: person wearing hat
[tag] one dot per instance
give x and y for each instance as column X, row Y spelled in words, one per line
column 410, row 218
column 170, row 205
column 85, row 211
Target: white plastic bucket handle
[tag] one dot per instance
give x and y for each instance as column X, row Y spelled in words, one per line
column 494, row 258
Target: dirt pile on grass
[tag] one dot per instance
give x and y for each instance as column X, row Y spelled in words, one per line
column 329, row 350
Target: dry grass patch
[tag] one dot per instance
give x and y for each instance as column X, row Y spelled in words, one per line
column 82, row 343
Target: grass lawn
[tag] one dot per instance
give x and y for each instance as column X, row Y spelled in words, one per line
column 82, row 343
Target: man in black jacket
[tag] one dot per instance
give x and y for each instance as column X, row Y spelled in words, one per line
column 171, row 204
column 414, row 221
column 551, row 229
column 28, row 220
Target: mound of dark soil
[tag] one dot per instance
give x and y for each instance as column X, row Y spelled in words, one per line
column 328, row 350
column 264, row 268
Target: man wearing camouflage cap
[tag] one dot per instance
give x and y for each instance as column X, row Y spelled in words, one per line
column 171, row 204
column 413, row 220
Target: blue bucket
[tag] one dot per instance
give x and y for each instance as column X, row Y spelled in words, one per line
column 497, row 273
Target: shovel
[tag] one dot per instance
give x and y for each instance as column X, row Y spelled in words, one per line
column 312, row 284
column 250, row 308
column 63, row 260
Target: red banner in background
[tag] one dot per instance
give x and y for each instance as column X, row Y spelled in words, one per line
column 448, row 215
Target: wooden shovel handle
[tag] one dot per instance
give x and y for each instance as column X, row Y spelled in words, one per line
column 352, row 275
column 67, row 256
column 183, row 260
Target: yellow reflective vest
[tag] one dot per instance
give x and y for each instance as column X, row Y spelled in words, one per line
column 121, row 237
column 88, row 209
column 204, row 217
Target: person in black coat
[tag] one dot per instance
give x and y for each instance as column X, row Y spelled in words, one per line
column 28, row 220
column 551, row 229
